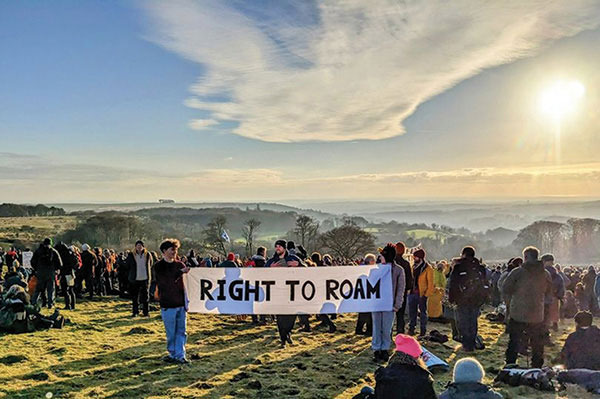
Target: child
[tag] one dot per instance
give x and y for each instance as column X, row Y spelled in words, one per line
column 468, row 382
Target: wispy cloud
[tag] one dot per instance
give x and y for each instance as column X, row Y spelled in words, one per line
column 349, row 70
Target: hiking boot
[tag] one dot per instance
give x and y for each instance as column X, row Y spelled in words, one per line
column 183, row 360
column 411, row 331
column 332, row 328
column 385, row 356
column 168, row 359
column 377, row 356
column 289, row 340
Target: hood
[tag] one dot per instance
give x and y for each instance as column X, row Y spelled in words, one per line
column 258, row 257
column 468, row 387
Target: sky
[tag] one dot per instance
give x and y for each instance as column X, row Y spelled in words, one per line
column 272, row 100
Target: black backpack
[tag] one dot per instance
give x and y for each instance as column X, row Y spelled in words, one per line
column 473, row 287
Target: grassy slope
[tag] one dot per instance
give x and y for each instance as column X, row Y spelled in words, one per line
column 34, row 229
column 106, row 354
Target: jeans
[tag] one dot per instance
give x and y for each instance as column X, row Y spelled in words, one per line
column 417, row 302
column 382, row 330
column 44, row 284
column 466, row 320
column 175, row 320
column 139, row 293
column 519, row 334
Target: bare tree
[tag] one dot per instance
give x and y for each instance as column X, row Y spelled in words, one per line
column 306, row 230
column 213, row 234
column 248, row 233
column 348, row 240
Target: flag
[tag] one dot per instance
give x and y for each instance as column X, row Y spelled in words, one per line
column 225, row 236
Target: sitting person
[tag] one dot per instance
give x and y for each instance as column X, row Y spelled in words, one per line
column 568, row 309
column 405, row 376
column 467, row 382
column 13, row 277
column 582, row 347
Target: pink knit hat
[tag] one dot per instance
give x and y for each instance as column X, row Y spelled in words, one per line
column 408, row 345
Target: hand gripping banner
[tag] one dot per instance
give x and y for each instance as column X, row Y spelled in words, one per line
column 290, row 290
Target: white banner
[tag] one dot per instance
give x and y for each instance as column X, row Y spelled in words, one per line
column 27, row 255
column 290, row 290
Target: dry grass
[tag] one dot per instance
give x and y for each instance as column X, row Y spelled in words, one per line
column 33, row 229
column 106, row 354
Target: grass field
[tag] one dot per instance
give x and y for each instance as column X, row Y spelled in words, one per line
column 33, row 229
column 104, row 353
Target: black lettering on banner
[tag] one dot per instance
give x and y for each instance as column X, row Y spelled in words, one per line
column 221, row 296
column 236, row 293
column 248, row 289
column 359, row 290
column 373, row 289
column 268, row 285
column 205, row 287
column 331, row 286
column 292, row 284
column 312, row 287
column 348, row 294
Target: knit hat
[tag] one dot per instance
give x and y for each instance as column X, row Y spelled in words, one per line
column 47, row 241
column 85, row 247
column 291, row 245
column 409, row 345
column 230, row 256
column 419, row 253
column 389, row 253
column 281, row 243
column 468, row 369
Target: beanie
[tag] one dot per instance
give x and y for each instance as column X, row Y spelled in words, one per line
column 409, row 345
column 230, row 256
column 468, row 369
column 85, row 247
column 281, row 243
column 419, row 253
column 291, row 245
column 47, row 241
column 400, row 248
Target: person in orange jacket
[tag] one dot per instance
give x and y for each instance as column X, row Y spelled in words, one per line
column 422, row 288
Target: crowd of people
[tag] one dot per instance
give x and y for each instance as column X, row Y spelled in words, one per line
column 530, row 294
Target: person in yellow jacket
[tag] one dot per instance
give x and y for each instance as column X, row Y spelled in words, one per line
column 421, row 290
column 434, row 302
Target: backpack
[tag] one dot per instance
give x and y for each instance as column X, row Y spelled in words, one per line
column 473, row 288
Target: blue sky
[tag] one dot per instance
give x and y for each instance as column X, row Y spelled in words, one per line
column 132, row 101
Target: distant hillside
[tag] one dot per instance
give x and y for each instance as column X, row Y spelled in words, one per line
column 19, row 210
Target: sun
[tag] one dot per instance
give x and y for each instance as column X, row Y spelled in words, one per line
column 561, row 98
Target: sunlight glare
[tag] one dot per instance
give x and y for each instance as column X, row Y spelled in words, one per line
column 561, row 98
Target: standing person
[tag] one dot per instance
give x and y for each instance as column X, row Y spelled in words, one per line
column 100, row 272
column 70, row 262
column 421, row 289
column 88, row 268
column 526, row 288
column 589, row 282
column 45, row 261
column 409, row 282
column 552, row 301
column 435, row 309
column 281, row 258
column 468, row 291
column 168, row 273
column 365, row 319
column 139, row 263
column 259, row 261
column 383, row 322
column 123, row 274
column 230, row 262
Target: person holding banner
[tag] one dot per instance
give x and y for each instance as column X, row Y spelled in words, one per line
column 281, row 258
column 168, row 273
column 384, row 321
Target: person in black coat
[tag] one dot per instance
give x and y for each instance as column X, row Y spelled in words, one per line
column 408, row 276
column 46, row 262
column 405, row 376
column 88, row 268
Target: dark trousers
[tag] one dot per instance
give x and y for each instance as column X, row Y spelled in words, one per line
column 285, row 325
column 325, row 320
column 68, row 293
column 139, row 294
column 45, row 285
column 416, row 302
column 304, row 321
column 400, row 323
column 89, row 284
column 466, row 320
column 519, row 334
column 364, row 319
column 259, row 319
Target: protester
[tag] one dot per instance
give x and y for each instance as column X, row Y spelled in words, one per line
column 168, row 273
column 405, row 376
column 467, row 382
column 421, row 289
column 13, row 277
column 260, row 261
column 70, row 263
column 230, row 262
column 45, row 261
column 568, row 309
column 468, row 290
column 139, row 263
column 582, row 347
column 434, row 302
column 383, row 322
column 364, row 323
column 526, row 288
column 589, row 282
column 552, row 301
column 281, row 258
column 408, row 277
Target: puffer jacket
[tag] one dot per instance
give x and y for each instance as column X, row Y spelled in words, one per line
column 469, row 390
column 403, row 378
column 424, row 279
column 526, row 287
